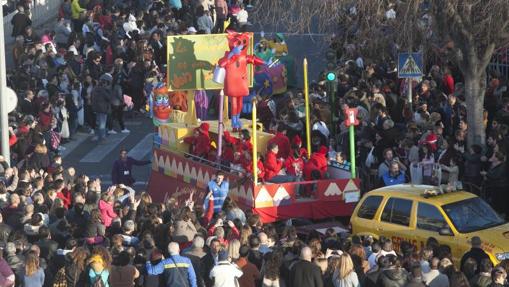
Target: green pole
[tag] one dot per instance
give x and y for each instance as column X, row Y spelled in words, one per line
column 351, row 134
column 331, row 97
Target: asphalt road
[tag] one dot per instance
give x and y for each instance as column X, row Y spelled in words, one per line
column 97, row 160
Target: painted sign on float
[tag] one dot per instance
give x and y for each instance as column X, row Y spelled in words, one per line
column 192, row 58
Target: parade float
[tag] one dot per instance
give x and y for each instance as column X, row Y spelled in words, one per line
column 224, row 63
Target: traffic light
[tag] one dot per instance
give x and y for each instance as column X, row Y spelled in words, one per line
column 331, row 84
column 330, row 73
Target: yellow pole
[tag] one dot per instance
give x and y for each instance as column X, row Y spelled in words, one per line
column 226, row 119
column 254, row 142
column 190, row 117
column 306, row 100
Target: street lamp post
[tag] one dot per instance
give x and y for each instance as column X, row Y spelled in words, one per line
column 4, row 119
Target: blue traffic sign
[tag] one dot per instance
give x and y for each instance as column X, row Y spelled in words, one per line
column 410, row 65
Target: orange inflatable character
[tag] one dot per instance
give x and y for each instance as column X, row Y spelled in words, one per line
column 161, row 108
column 236, row 82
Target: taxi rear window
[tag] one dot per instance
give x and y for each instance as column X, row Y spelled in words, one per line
column 369, row 207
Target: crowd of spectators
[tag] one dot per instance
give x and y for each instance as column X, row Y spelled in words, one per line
column 60, row 228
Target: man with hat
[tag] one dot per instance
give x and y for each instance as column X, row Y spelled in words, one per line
column 225, row 274
column 101, row 105
column 476, row 252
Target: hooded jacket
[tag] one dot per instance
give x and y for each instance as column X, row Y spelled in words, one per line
column 107, row 213
column 393, row 277
column 101, row 100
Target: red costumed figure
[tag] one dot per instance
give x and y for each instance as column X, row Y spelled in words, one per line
column 200, row 141
column 236, row 81
column 297, row 147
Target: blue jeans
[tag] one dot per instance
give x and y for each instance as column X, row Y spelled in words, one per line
column 100, row 128
column 282, row 179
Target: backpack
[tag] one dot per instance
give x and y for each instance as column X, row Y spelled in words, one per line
column 59, row 279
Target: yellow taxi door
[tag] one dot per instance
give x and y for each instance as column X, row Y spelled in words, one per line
column 363, row 222
column 395, row 221
column 430, row 222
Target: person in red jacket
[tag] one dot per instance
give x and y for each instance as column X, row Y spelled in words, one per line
column 282, row 141
column 448, row 81
column 297, row 147
column 247, row 165
column 200, row 141
column 242, row 143
column 63, row 193
column 294, row 164
column 45, row 117
column 317, row 161
column 273, row 166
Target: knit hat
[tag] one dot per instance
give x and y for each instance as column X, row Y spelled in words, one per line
column 323, row 150
column 204, row 127
column 296, row 140
column 431, row 140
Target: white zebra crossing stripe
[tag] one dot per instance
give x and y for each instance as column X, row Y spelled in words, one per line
column 98, row 153
column 78, row 139
column 142, row 148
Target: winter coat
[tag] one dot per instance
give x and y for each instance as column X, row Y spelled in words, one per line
column 76, row 9
column 39, row 159
column 107, row 213
column 62, row 33
column 184, row 231
column 272, row 165
column 19, row 22
column 6, row 274
column 101, row 100
column 393, row 277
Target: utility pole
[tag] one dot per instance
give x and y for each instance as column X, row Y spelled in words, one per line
column 4, row 119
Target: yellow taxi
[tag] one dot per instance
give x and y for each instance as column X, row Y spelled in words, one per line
column 413, row 213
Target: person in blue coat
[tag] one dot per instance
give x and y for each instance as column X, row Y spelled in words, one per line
column 176, row 271
column 393, row 176
column 219, row 188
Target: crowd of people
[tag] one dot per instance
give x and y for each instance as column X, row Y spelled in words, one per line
column 60, row 228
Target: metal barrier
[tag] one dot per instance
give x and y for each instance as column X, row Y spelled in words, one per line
column 430, row 174
column 500, row 61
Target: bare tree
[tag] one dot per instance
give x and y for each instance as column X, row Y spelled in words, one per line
column 473, row 29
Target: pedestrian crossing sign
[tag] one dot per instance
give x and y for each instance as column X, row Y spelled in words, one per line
column 410, row 65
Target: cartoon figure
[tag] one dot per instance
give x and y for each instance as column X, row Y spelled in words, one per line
column 236, row 85
column 278, row 45
column 160, row 103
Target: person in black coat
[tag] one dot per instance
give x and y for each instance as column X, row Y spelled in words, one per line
column 255, row 256
column 372, row 277
column 496, row 183
column 304, row 273
column 46, row 244
column 475, row 253
column 209, row 261
column 27, row 106
column 101, row 104
column 19, row 22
